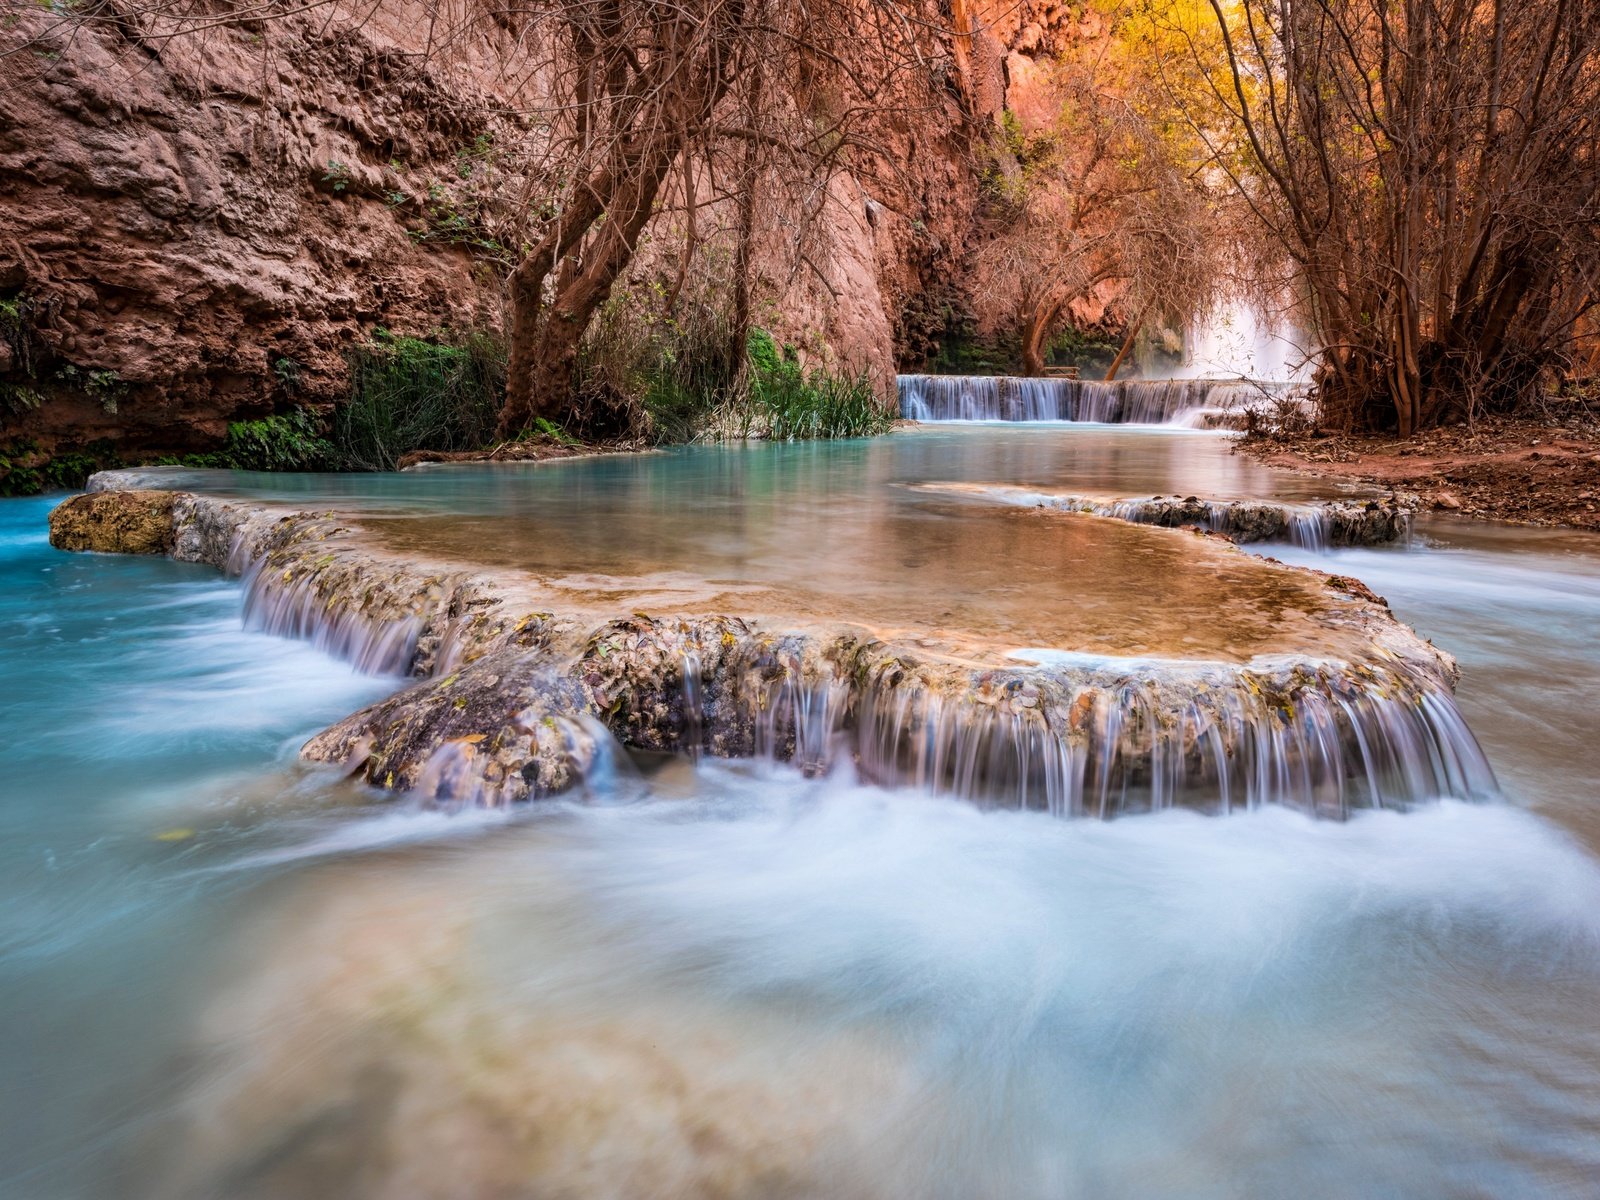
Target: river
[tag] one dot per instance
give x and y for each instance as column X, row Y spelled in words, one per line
column 225, row 974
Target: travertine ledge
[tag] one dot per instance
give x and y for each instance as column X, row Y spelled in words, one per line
column 515, row 700
column 1373, row 521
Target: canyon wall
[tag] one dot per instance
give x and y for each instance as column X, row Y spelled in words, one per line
column 196, row 229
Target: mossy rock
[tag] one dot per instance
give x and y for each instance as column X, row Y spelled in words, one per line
column 135, row 522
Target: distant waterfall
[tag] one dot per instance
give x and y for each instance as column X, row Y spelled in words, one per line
column 1014, row 398
column 1238, row 340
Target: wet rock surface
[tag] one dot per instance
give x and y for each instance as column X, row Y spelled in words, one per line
column 132, row 522
column 1357, row 522
column 496, row 732
column 517, row 701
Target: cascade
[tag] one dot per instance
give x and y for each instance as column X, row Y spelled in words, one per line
column 1068, row 734
column 294, row 606
column 1015, row 398
column 1313, row 525
column 1082, row 738
column 503, row 713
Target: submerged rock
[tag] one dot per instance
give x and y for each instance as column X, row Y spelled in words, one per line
column 133, row 522
column 1070, row 734
column 499, row 731
column 1369, row 522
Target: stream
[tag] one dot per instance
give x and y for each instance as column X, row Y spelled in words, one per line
column 224, row 974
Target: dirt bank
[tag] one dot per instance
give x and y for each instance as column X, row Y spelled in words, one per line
column 1538, row 471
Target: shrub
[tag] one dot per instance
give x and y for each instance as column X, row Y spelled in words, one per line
column 289, row 441
column 19, row 471
column 668, row 380
column 337, row 176
column 651, row 375
column 410, row 394
column 787, row 403
column 26, row 471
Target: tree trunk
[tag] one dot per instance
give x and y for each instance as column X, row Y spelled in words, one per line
column 1035, row 332
column 553, row 356
column 1406, row 386
column 651, row 106
column 527, row 301
column 744, row 244
column 517, row 412
column 1127, row 344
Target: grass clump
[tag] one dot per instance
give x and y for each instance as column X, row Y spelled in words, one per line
column 785, row 402
column 657, row 379
column 410, row 393
column 653, row 371
column 669, row 359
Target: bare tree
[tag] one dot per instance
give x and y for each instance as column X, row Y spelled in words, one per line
column 1430, row 168
column 718, row 94
column 1092, row 216
column 731, row 118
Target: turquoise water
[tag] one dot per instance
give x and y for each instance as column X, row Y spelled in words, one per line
column 818, row 531
column 1519, row 608
column 223, row 975
column 740, row 479
column 134, row 705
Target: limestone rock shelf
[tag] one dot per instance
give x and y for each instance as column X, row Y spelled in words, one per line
column 1372, row 521
column 1321, row 700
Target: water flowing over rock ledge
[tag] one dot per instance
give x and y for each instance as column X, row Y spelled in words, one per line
column 1315, row 525
column 518, row 702
column 1200, row 403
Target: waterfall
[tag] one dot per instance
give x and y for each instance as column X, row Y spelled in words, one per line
column 1079, row 736
column 1239, row 339
column 301, row 605
column 1014, row 398
column 1072, row 734
column 1125, row 749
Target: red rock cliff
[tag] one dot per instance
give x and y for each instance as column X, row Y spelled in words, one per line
column 199, row 228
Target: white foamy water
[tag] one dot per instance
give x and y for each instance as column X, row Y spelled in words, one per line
column 805, row 987
column 224, row 976
column 1519, row 608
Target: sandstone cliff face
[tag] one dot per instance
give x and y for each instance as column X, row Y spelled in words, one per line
column 199, row 228
column 194, row 230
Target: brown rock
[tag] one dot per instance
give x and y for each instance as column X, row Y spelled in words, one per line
column 211, row 237
column 114, row 522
